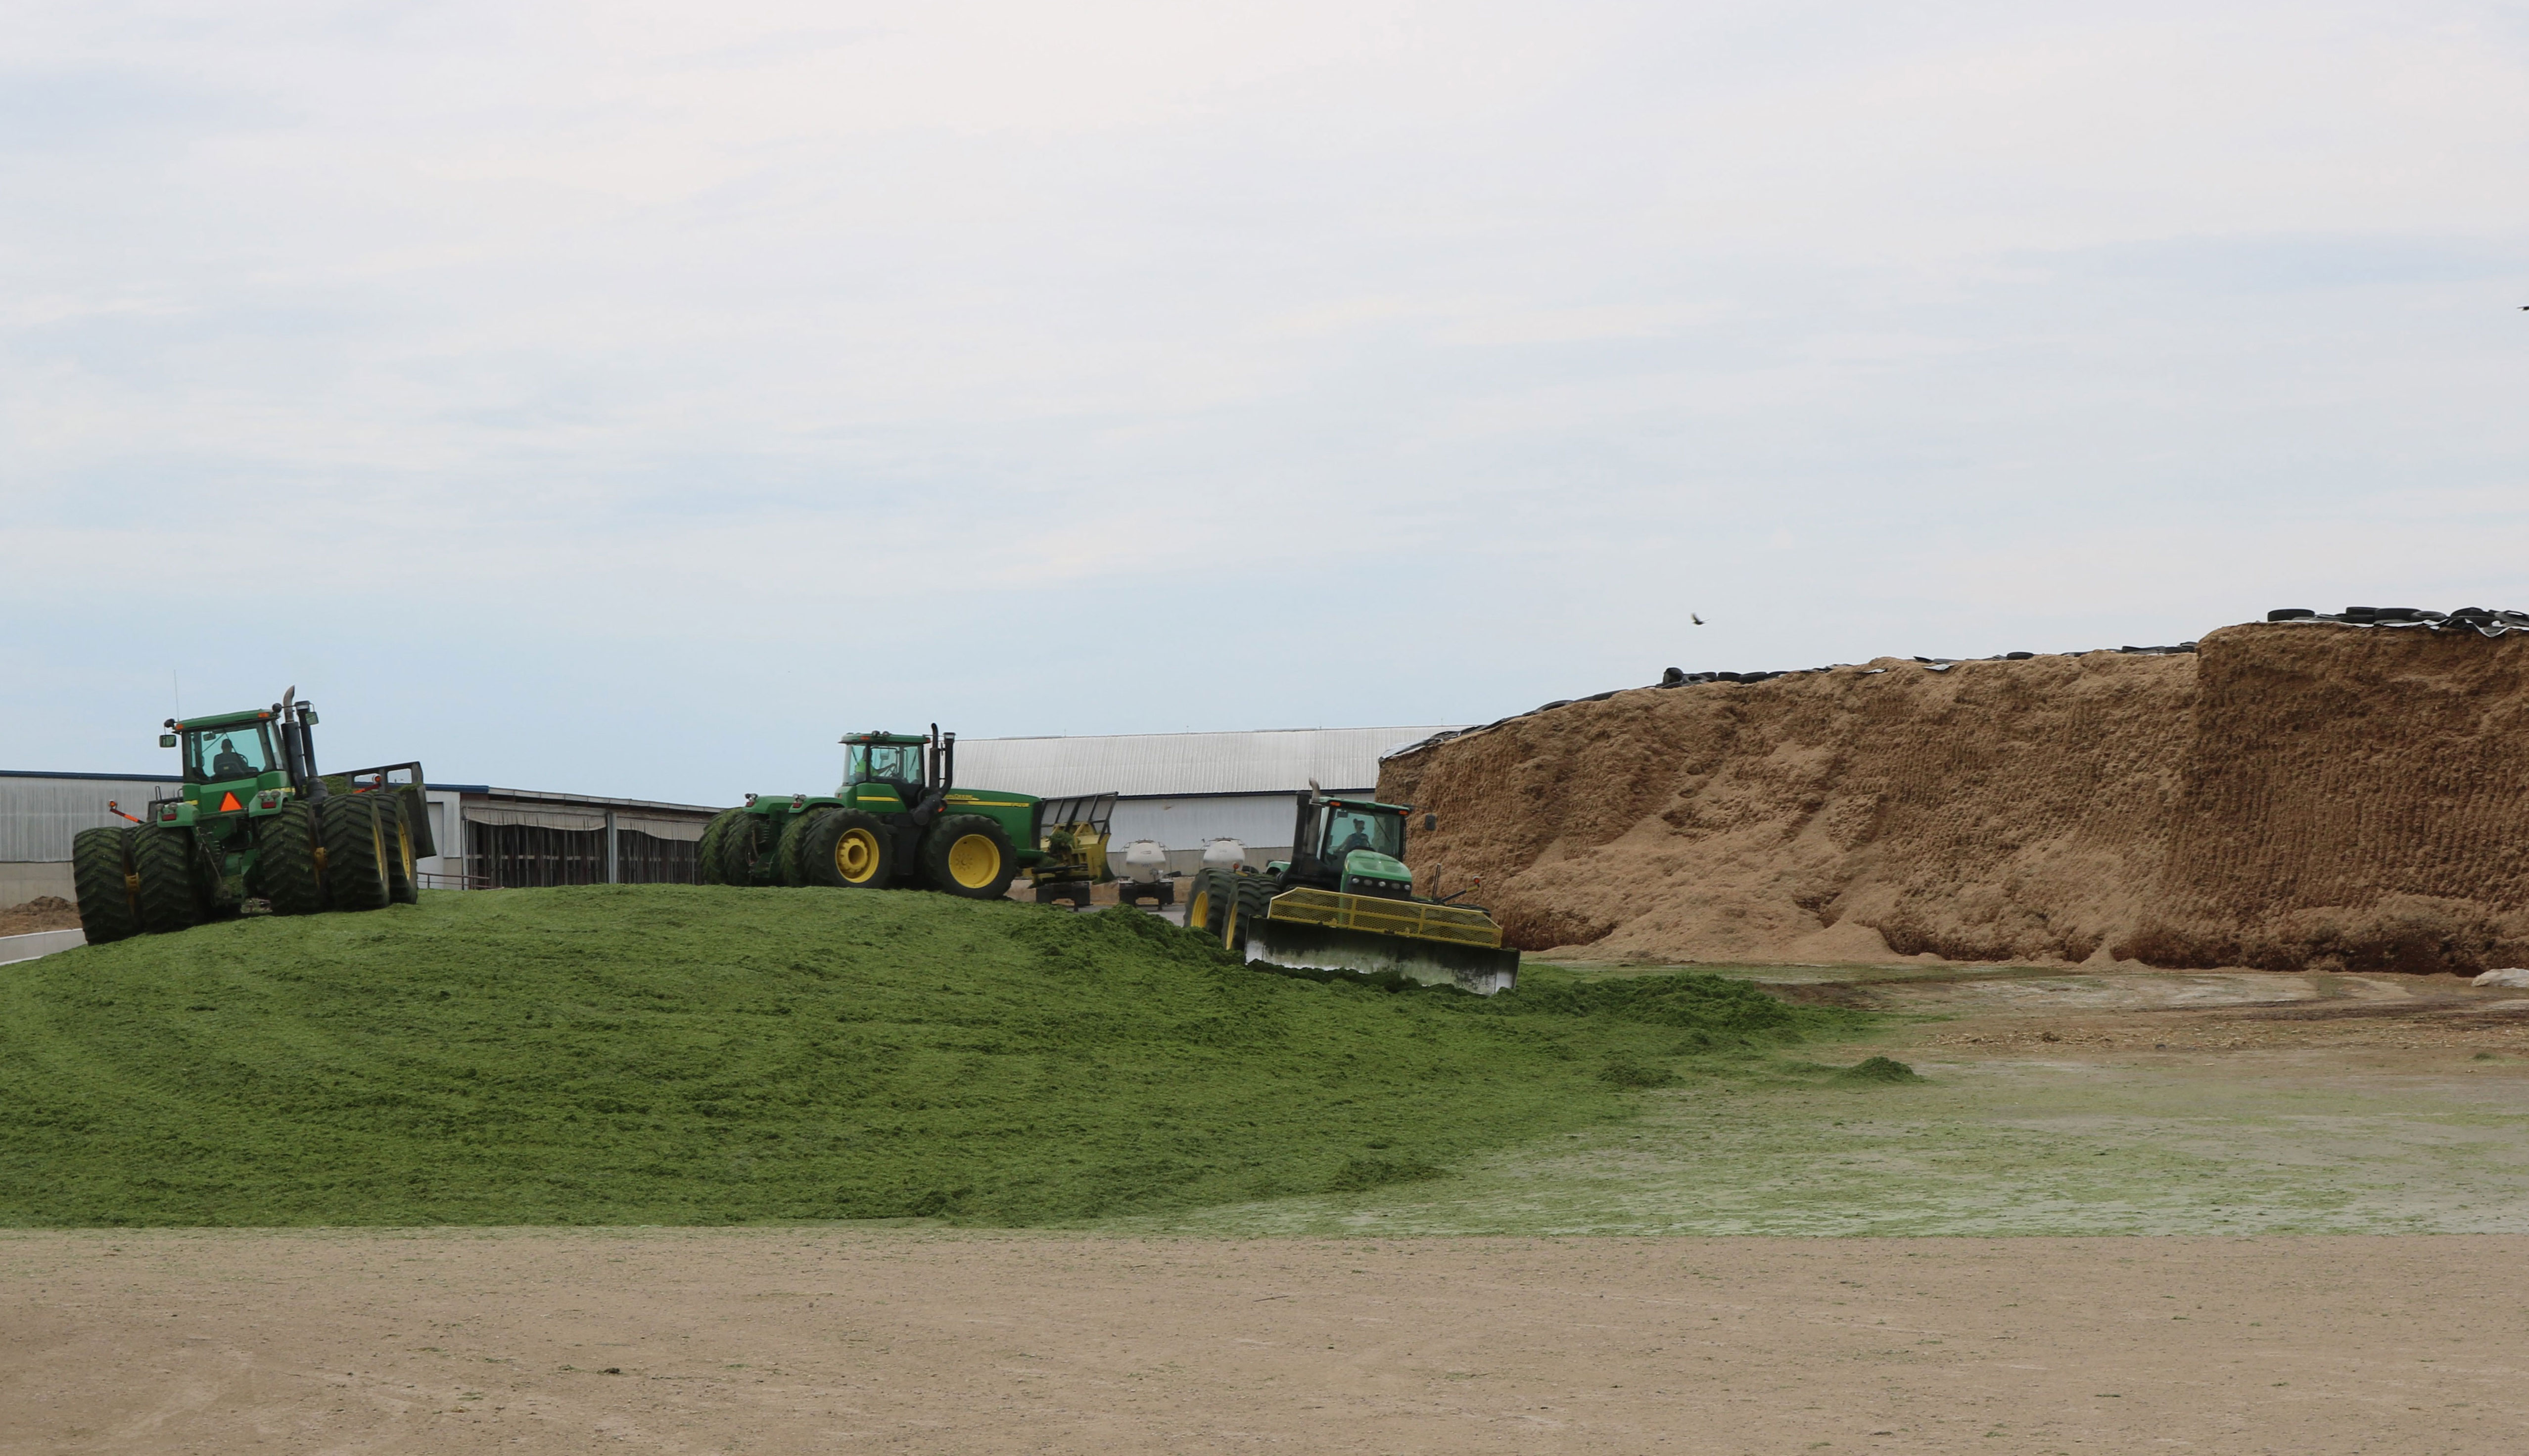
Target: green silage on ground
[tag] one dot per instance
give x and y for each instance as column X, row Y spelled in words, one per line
column 703, row 1054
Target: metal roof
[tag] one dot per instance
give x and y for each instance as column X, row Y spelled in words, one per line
column 1172, row 765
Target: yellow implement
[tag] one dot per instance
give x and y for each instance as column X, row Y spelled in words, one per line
column 1458, row 925
column 1324, row 929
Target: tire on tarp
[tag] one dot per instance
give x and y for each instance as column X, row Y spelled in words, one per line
column 109, row 902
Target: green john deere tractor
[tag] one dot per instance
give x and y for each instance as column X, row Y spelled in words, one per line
column 898, row 820
column 255, row 829
column 1345, row 901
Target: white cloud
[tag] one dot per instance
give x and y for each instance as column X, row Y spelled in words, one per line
column 730, row 366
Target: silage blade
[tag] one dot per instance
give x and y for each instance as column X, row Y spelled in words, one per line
column 1374, row 956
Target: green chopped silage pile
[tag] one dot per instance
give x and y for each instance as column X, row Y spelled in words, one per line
column 682, row 1054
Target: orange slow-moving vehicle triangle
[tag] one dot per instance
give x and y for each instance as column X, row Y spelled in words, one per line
column 228, row 801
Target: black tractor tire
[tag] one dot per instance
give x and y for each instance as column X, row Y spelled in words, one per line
column 1207, row 904
column 169, row 865
column 286, row 861
column 1253, row 894
column 707, row 866
column 970, row 856
column 744, row 854
column 404, row 884
column 789, row 870
column 847, row 849
column 356, row 852
column 109, row 894
column 416, row 820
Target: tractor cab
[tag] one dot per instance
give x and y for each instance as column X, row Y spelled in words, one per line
column 1356, row 846
column 232, row 753
column 902, row 761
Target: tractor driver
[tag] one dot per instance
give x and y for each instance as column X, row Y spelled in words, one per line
column 228, row 763
column 1359, row 838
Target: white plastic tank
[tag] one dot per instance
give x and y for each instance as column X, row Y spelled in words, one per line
column 1144, row 861
column 1224, row 854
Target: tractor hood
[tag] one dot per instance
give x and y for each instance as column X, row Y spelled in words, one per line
column 1369, row 864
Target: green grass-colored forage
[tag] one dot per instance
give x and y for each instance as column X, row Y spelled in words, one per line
column 705, row 1055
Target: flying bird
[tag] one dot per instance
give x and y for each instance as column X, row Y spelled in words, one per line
column 1698, row 620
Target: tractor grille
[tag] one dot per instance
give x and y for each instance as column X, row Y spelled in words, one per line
column 1455, row 924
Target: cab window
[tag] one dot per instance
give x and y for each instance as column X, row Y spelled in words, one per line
column 884, row 763
column 219, row 755
column 1348, row 829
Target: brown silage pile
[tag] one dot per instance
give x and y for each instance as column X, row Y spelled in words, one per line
column 2290, row 796
column 43, row 912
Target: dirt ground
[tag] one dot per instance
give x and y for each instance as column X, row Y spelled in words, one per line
column 795, row 1340
column 43, row 912
column 2236, row 1115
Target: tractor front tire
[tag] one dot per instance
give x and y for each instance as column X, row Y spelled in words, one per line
column 356, row 852
column 847, row 849
column 285, row 862
column 1207, row 906
column 744, row 852
column 404, row 888
column 1253, row 894
column 789, row 868
column 969, row 855
column 109, row 892
column 168, row 864
column 707, row 865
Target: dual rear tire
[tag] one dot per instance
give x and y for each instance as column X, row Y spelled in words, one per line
column 286, row 861
column 968, row 855
column 108, row 888
column 356, row 852
column 736, row 849
column 351, row 852
column 1224, row 903
column 839, row 850
column 167, row 862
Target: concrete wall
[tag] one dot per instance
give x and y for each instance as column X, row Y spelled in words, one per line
column 40, row 943
column 40, row 814
column 21, row 882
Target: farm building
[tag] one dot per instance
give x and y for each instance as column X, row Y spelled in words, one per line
column 489, row 838
column 1188, row 789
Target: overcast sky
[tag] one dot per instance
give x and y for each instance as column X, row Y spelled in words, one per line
column 632, row 399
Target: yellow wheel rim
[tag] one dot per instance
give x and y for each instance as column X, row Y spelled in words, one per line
column 856, row 856
column 1198, row 909
column 974, row 861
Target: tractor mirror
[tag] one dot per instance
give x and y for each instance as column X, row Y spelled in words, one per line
column 166, row 740
column 1431, row 822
